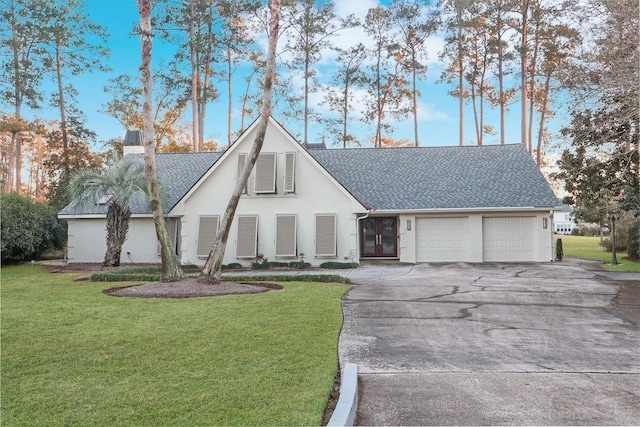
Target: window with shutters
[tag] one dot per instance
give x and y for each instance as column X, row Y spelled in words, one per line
column 207, row 231
column 290, row 172
column 286, row 235
column 247, row 244
column 265, row 174
column 172, row 229
column 242, row 158
column 326, row 235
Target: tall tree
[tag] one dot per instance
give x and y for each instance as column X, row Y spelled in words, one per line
column 115, row 188
column 416, row 21
column 348, row 73
column 311, row 24
column 387, row 84
column 454, row 54
column 498, row 24
column 213, row 267
column 73, row 45
column 171, row 270
column 21, row 76
column 602, row 165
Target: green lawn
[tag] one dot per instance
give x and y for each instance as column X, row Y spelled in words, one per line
column 588, row 248
column 73, row 356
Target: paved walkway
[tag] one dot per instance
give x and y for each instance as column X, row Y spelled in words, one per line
column 493, row 344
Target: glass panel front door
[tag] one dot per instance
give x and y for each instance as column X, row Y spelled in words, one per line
column 378, row 237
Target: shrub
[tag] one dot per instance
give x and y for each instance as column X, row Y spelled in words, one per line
column 575, row 231
column 28, row 228
column 621, row 243
column 338, row 265
column 300, row 265
column 232, row 266
column 148, row 275
column 633, row 241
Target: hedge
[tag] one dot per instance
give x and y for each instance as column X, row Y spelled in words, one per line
column 131, row 276
column 28, row 228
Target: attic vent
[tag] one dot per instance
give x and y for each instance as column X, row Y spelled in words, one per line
column 104, row 200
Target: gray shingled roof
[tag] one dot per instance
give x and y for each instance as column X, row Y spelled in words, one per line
column 177, row 172
column 489, row 176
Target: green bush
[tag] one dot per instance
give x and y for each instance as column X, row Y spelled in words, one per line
column 575, row 231
column 148, row 275
column 28, row 228
column 621, row 243
column 232, row 266
column 338, row 265
column 633, row 241
column 299, row 265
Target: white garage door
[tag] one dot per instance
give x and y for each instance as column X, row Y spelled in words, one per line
column 508, row 239
column 442, row 239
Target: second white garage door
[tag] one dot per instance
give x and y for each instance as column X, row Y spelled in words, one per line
column 442, row 239
column 508, row 239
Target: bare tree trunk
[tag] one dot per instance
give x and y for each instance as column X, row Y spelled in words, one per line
column 543, row 116
column 500, row 73
column 213, row 268
column 345, row 108
column 414, row 94
column 194, row 78
column 460, row 75
column 230, row 98
column 523, row 76
column 63, row 113
column 12, row 168
column 306, row 97
column 475, row 114
column 171, row 270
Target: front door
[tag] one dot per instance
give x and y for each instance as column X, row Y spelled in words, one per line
column 378, row 237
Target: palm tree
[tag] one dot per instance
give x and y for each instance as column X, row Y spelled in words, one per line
column 115, row 187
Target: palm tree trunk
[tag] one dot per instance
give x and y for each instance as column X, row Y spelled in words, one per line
column 117, row 230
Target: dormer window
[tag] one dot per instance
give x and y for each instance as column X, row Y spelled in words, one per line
column 104, row 200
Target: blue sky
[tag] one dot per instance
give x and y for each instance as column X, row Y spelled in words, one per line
column 438, row 115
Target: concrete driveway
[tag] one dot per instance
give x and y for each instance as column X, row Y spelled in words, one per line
column 494, row 344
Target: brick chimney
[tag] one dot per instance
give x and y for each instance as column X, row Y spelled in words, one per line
column 133, row 143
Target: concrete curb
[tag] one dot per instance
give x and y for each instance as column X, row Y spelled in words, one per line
column 345, row 412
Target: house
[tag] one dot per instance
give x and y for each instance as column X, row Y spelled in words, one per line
column 413, row 204
column 563, row 222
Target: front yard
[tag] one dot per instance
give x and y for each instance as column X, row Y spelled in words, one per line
column 587, row 247
column 71, row 355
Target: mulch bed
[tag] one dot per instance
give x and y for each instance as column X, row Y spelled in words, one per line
column 189, row 288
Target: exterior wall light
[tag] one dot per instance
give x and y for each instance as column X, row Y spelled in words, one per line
column 408, row 224
column 545, row 222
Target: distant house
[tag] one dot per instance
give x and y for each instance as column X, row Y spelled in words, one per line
column 563, row 221
column 413, row 204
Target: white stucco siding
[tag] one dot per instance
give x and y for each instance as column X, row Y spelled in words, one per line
column 315, row 193
column 87, row 241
